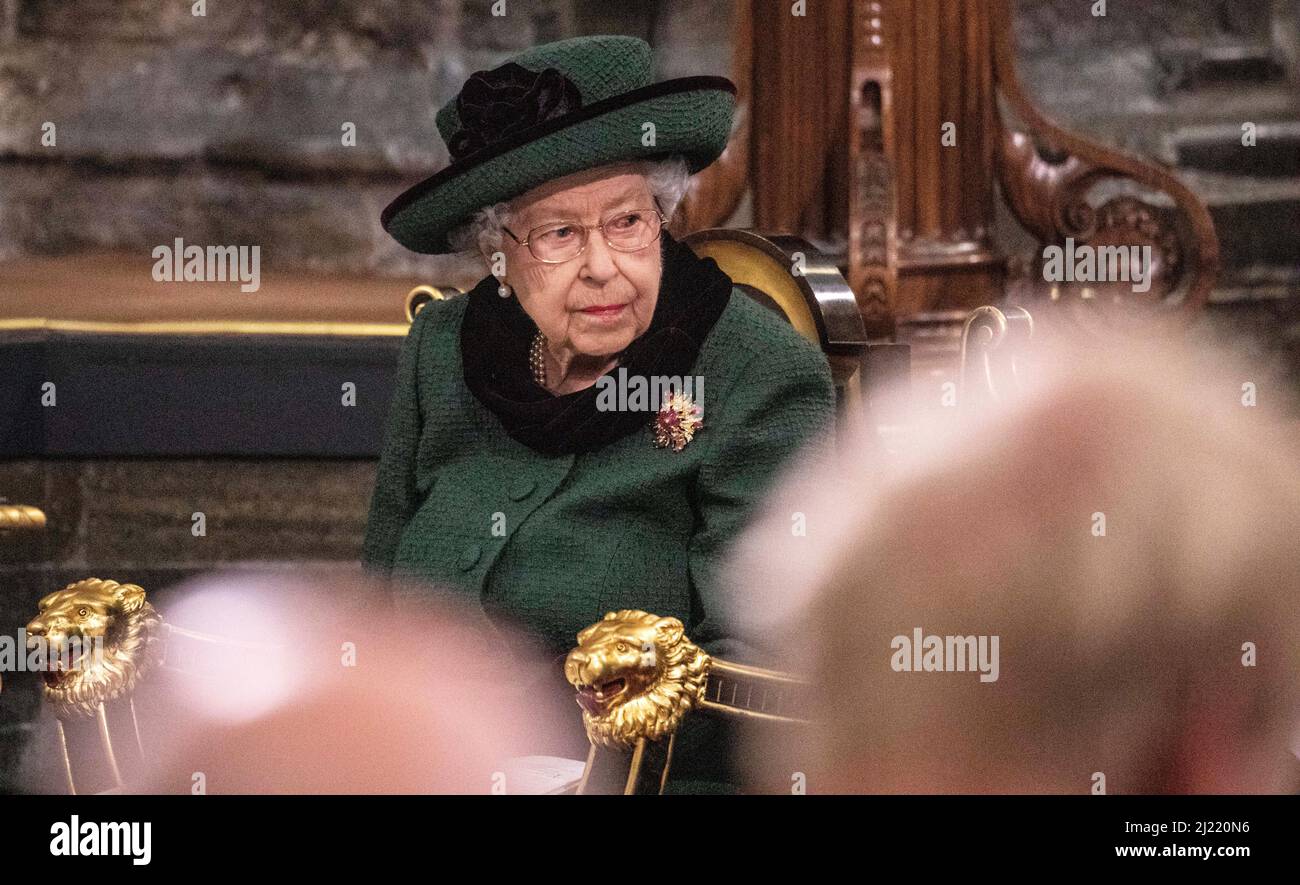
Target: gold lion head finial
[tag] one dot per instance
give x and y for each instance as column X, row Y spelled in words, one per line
column 100, row 637
column 636, row 675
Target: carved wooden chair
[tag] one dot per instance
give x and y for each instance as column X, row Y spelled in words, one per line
column 873, row 84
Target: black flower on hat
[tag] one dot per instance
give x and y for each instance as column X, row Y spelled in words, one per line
column 495, row 104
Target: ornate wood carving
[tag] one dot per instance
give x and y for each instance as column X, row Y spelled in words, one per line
column 1052, row 179
column 940, row 56
column 800, row 93
column 916, row 214
column 873, row 233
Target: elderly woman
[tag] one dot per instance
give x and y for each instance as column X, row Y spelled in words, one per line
column 520, row 465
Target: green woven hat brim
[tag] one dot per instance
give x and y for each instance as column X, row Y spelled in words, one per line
column 691, row 115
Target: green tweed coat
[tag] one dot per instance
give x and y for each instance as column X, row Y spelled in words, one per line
column 552, row 542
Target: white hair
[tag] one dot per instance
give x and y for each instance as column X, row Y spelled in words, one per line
column 481, row 235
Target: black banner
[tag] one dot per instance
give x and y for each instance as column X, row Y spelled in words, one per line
column 247, row 832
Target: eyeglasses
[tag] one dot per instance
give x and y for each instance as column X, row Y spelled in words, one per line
column 560, row 241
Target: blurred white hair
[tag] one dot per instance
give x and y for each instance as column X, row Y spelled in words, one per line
column 481, row 235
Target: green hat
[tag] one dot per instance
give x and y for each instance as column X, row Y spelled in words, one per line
column 551, row 111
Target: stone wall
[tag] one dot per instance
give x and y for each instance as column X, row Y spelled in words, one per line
column 227, row 127
column 1175, row 81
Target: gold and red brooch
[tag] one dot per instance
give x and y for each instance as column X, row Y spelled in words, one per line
column 678, row 419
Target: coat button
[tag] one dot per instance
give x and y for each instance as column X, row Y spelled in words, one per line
column 522, row 488
column 470, row 556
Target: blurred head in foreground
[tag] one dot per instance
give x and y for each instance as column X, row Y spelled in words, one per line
column 1094, row 588
column 317, row 687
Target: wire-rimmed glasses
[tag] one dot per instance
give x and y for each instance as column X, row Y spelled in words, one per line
column 627, row 231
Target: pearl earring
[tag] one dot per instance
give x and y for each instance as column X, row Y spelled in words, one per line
column 504, row 290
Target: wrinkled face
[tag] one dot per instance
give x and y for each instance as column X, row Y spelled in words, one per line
column 598, row 303
column 614, row 662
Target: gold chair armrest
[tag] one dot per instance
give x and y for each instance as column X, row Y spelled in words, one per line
column 637, row 676
column 21, row 517
column 418, row 297
column 991, row 343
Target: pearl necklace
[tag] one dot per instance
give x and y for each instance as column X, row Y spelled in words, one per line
column 536, row 360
